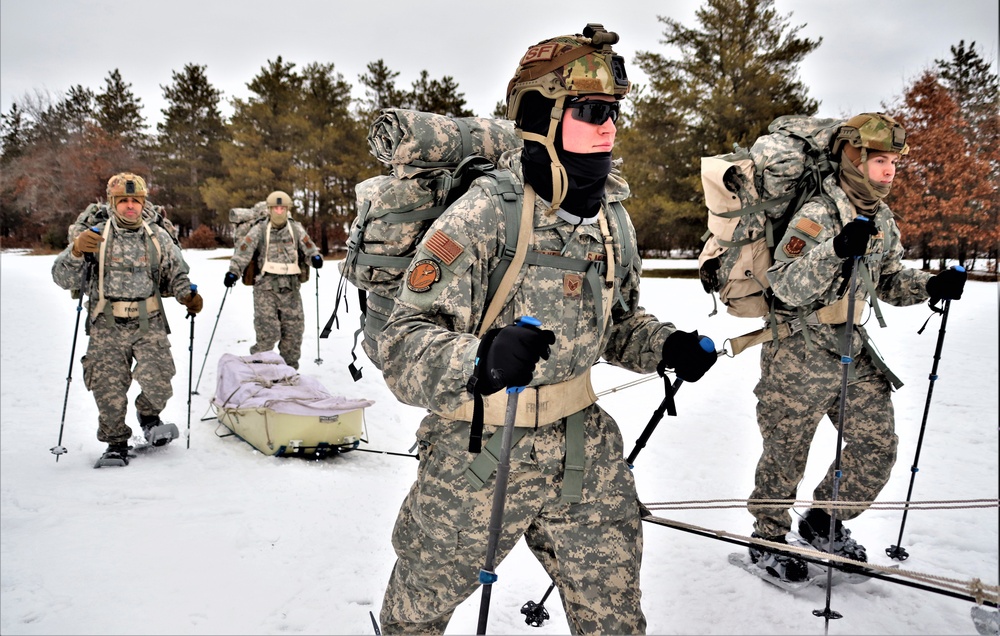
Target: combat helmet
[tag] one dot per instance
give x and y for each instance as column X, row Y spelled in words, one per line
column 126, row 184
column 277, row 198
column 867, row 133
column 561, row 68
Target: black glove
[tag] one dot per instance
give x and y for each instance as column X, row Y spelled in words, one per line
column 507, row 357
column 682, row 352
column 853, row 239
column 317, row 261
column 231, row 279
column 948, row 285
column 709, row 273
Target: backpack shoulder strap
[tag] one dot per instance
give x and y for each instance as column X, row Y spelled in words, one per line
column 506, row 272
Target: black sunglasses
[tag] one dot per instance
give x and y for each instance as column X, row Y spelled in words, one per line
column 595, row 112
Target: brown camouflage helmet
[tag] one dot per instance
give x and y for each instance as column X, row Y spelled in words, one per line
column 570, row 65
column 126, row 184
column 562, row 68
column 277, row 198
column 869, row 133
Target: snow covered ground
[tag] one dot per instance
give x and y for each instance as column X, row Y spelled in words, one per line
column 220, row 539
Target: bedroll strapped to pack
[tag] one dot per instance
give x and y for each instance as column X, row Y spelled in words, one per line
column 243, row 219
column 433, row 160
column 751, row 196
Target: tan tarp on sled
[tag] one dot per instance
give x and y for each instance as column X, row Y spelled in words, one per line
column 279, row 412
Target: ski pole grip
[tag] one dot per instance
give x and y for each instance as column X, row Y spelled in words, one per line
column 706, row 344
column 524, row 321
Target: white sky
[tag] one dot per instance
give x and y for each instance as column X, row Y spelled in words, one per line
column 870, row 50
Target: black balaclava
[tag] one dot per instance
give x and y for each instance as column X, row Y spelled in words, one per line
column 586, row 172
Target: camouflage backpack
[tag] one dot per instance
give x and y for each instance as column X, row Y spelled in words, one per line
column 243, row 219
column 432, row 159
column 751, row 196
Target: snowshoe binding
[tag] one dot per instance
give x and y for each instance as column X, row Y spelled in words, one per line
column 157, row 432
column 784, row 570
column 814, row 528
column 115, row 455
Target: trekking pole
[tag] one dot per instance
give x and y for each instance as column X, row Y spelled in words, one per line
column 59, row 449
column 210, row 339
column 667, row 404
column 896, row 551
column 845, row 360
column 486, row 575
column 318, row 359
column 194, row 290
column 535, row 613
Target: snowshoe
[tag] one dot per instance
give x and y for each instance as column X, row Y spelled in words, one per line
column 157, row 432
column 814, row 528
column 115, row 455
column 744, row 561
column 786, row 567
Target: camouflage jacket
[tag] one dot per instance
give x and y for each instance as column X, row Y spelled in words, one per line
column 282, row 248
column 808, row 274
column 129, row 271
column 429, row 344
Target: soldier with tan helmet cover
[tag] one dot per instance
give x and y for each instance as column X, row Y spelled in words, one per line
column 570, row 492
column 274, row 247
column 801, row 374
column 128, row 265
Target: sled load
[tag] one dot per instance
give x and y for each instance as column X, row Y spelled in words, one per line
column 279, row 412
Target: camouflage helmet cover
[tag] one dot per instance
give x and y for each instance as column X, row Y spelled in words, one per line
column 876, row 132
column 570, row 65
column 126, row 184
column 277, row 198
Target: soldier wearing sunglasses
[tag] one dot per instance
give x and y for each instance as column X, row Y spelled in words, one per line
column 570, row 492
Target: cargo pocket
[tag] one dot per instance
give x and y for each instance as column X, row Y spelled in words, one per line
column 88, row 372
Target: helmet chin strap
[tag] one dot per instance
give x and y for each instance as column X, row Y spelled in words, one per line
column 560, row 180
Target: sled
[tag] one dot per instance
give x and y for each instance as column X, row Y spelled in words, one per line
column 269, row 405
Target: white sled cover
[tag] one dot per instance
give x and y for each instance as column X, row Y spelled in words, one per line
column 280, row 412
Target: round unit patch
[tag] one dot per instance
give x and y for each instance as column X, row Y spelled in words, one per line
column 424, row 274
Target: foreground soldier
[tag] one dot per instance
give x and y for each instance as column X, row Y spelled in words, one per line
column 128, row 265
column 801, row 376
column 571, row 494
column 278, row 316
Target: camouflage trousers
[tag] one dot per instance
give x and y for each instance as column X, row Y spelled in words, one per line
column 108, row 372
column 278, row 318
column 797, row 388
column 591, row 549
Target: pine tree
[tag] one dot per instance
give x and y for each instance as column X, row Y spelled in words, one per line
column 380, row 90
column 438, row 96
column 734, row 75
column 119, row 113
column 187, row 148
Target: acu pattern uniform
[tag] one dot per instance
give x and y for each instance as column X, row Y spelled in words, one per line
column 570, row 492
column 136, row 267
column 801, row 375
column 278, row 316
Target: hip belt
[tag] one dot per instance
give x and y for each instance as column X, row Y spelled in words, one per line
column 537, row 406
column 131, row 309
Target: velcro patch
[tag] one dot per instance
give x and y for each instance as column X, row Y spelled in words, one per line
column 444, row 247
column 572, row 284
column 424, row 273
column 540, row 53
column 794, row 246
column 809, row 227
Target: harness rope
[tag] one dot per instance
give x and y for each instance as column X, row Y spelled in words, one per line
column 974, row 588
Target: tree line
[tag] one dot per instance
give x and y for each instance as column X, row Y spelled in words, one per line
column 300, row 130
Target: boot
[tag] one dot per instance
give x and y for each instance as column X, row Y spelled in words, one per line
column 814, row 528
column 115, row 455
column 782, row 566
column 155, row 431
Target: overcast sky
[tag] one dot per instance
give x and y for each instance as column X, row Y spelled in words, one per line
column 871, row 50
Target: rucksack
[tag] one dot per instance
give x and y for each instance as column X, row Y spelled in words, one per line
column 433, row 160
column 243, row 220
column 751, row 195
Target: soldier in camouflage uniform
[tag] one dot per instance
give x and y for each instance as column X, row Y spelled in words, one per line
column 571, row 494
column 801, row 375
column 127, row 265
column 278, row 316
